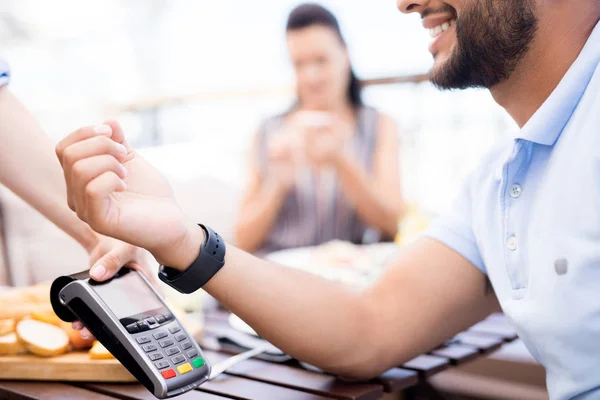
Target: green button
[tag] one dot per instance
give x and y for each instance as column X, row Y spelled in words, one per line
column 198, row 362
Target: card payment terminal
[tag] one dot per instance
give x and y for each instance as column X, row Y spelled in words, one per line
column 132, row 321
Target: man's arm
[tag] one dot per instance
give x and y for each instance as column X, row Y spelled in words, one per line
column 430, row 294
column 29, row 168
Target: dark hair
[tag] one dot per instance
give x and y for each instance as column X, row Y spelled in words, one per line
column 310, row 14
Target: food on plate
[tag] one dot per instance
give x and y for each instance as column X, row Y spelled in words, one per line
column 340, row 254
column 7, row 326
column 41, row 338
column 99, row 352
column 10, row 345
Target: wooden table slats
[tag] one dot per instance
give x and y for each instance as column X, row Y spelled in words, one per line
column 246, row 389
column 138, row 392
column 457, row 354
column 20, row 390
column 427, row 365
column 485, row 344
column 496, row 329
column 397, row 380
column 299, row 379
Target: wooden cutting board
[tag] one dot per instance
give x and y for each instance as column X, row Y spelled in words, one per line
column 75, row 366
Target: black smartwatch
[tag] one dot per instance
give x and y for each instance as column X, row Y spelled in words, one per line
column 210, row 260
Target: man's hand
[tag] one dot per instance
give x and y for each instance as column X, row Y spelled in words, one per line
column 120, row 195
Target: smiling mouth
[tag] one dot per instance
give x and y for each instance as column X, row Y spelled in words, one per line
column 438, row 30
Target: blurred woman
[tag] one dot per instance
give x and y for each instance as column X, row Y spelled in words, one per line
column 328, row 168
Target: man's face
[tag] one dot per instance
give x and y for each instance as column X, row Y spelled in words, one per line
column 475, row 43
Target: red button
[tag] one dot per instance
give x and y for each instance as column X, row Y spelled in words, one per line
column 168, row 374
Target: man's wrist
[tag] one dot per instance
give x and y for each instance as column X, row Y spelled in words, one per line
column 185, row 250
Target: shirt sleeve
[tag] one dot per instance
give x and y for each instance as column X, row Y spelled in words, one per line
column 455, row 228
column 4, row 73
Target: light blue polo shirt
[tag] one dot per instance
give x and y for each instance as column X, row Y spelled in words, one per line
column 4, row 73
column 529, row 218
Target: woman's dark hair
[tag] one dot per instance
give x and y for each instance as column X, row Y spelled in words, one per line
column 310, row 14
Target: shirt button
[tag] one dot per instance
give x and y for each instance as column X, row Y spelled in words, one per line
column 511, row 243
column 561, row 266
column 515, row 191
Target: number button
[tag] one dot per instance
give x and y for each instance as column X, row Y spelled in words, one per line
column 180, row 337
column 155, row 356
column 171, row 351
column 143, row 339
column 178, row 359
column 160, row 335
column 149, row 347
column 161, row 364
column 192, row 353
column 166, row 343
column 174, row 329
column 186, row 345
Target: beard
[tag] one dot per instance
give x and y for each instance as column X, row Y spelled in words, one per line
column 492, row 37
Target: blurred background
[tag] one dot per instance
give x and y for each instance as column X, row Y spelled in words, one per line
column 195, row 77
column 191, row 80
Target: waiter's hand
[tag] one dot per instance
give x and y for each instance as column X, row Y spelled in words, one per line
column 119, row 194
column 110, row 255
column 107, row 257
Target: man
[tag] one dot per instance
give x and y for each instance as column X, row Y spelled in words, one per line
column 28, row 167
column 527, row 220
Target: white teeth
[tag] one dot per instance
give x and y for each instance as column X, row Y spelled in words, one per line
column 434, row 32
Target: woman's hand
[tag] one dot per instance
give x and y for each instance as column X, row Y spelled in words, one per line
column 281, row 160
column 325, row 137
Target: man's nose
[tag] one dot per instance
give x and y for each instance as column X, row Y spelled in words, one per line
column 410, row 6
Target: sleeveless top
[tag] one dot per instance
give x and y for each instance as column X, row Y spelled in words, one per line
column 316, row 210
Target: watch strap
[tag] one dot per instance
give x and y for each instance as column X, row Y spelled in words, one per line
column 210, row 260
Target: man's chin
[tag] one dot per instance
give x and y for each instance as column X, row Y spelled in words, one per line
column 438, row 75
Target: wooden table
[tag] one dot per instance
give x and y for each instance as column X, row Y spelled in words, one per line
column 259, row 379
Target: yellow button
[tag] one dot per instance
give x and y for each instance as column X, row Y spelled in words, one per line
column 185, row 368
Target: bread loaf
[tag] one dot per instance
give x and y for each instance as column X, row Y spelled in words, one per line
column 99, row 352
column 10, row 345
column 41, row 338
